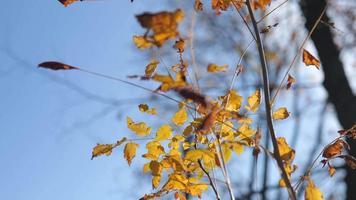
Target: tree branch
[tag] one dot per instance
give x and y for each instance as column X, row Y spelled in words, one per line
column 277, row 155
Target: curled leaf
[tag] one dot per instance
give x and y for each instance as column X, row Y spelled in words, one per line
column 56, row 66
column 309, row 59
column 130, row 151
column 68, row 2
column 179, row 45
column 102, row 149
column 290, row 81
column 334, row 149
column 145, row 108
column 281, row 113
column 151, row 67
column 198, row 5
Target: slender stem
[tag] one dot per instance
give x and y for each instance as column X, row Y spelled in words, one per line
column 297, row 54
column 210, row 180
column 244, row 20
column 277, row 155
column 270, row 12
column 192, row 50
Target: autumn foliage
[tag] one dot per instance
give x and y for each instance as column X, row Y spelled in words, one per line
column 204, row 131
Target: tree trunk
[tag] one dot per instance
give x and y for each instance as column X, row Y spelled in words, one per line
column 335, row 80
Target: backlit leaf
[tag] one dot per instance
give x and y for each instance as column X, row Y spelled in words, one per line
column 213, row 68
column 234, row 101
column 285, row 151
column 130, row 151
column 309, row 59
column 254, row 101
column 334, row 149
column 142, row 42
column 290, row 81
column 151, row 67
column 164, row 132
column 281, row 113
column 312, row 192
column 180, row 117
column 101, row 149
column 140, row 128
column 197, row 189
column 179, row 45
column 56, row 66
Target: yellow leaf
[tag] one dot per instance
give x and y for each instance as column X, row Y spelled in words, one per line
column 130, row 151
column 146, row 167
column 155, row 150
column 186, row 145
column 155, row 181
column 141, row 129
column 197, row 154
column 309, row 59
column 281, row 113
column 180, row 117
column 254, row 101
column 245, row 131
column 226, row 151
column 151, row 67
column 142, row 42
column 164, row 132
column 145, row 108
column 234, row 102
column 238, row 148
column 213, row 68
column 101, row 149
column 197, row 189
column 312, row 192
column 285, row 151
column 156, row 168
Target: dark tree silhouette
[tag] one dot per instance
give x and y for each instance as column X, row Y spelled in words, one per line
column 335, row 80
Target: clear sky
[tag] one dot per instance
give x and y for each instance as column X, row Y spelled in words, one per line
column 50, row 120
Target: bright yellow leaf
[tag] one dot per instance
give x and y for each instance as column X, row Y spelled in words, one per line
column 141, row 129
column 164, row 132
column 155, row 181
column 142, row 42
column 151, row 67
column 101, row 149
column 245, row 131
column 197, row 189
column 234, row 102
column 285, row 151
column 254, row 101
column 180, row 117
column 213, row 68
column 130, row 151
column 281, row 113
column 312, row 192
column 238, row 148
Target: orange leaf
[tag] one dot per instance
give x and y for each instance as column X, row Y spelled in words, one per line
column 334, row 149
column 309, row 59
column 130, row 151
column 56, row 66
column 290, row 81
column 68, row 2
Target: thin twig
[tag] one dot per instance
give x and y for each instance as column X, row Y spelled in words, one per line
column 266, row 88
column 192, row 51
column 297, row 54
column 244, row 20
column 270, row 12
column 210, row 180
